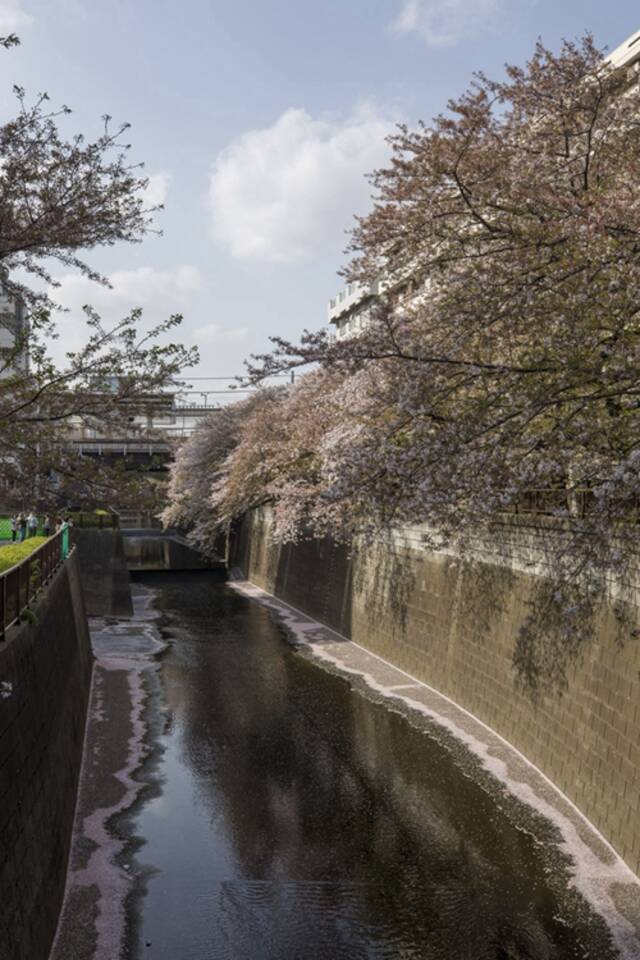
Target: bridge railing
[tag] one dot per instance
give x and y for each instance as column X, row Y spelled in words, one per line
column 103, row 520
column 22, row 583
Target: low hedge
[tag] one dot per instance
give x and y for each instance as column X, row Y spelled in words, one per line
column 16, row 552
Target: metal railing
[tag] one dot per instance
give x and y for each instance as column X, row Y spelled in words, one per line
column 573, row 503
column 21, row 584
column 124, row 447
column 101, row 521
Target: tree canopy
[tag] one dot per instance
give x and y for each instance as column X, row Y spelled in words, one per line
column 503, row 357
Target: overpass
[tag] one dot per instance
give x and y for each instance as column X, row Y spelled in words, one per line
column 151, row 443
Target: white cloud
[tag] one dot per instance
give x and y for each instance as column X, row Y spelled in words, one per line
column 12, row 16
column 214, row 333
column 288, row 192
column 159, row 292
column 157, row 188
column 443, row 23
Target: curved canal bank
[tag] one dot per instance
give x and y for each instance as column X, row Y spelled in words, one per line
column 453, row 620
column 281, row 800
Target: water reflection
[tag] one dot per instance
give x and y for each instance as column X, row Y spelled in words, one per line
column 299, row 820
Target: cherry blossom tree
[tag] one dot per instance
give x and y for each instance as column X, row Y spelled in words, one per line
column 197, row 466
column 60, row 197
column 504, row 356
column 279, row 457
column 120, row 373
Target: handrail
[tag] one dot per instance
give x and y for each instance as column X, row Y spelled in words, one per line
column 20, row 584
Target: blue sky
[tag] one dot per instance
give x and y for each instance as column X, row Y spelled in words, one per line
column 257, row 120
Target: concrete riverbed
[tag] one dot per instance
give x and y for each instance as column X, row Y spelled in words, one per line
column 257, row 788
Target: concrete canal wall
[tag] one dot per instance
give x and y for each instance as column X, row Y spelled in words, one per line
column 453, row 624
column 45, row 676
column 103, row 568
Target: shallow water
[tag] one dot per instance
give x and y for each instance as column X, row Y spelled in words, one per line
column 299, row 819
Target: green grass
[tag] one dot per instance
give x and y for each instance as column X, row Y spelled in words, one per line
column 5, row 527
column 92, row 518
column 16, row 552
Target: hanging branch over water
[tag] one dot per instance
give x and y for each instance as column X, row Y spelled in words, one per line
column 504, row 355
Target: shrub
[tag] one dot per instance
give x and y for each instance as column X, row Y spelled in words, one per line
column 17, row 552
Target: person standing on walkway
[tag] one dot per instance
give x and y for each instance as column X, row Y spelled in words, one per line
column 14, row 528
column 46, row 525
column 33, row 524
column 22, row 527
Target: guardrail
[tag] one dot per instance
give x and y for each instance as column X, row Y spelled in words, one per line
column 21, row 584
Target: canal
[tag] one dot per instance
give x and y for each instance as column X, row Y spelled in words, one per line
column 294, row 816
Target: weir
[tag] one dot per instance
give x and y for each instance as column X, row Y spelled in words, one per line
column 146, row 550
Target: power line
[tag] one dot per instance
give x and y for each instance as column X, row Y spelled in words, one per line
column 272, row 376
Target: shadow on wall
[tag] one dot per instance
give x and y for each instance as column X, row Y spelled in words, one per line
column 390, row 580
column 415, row 601
column 485, row 597
column 559, row 632
column 312, row 575
column 316, row 575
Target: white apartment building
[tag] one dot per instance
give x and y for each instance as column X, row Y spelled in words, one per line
column 12, row 327
column 628, row 53
column 349, row 311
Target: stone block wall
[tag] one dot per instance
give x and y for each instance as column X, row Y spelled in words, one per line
column 453, row 624
column 45, row 676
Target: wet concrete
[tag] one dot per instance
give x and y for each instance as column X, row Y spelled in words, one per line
column 122, row 722
column 278, row 795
